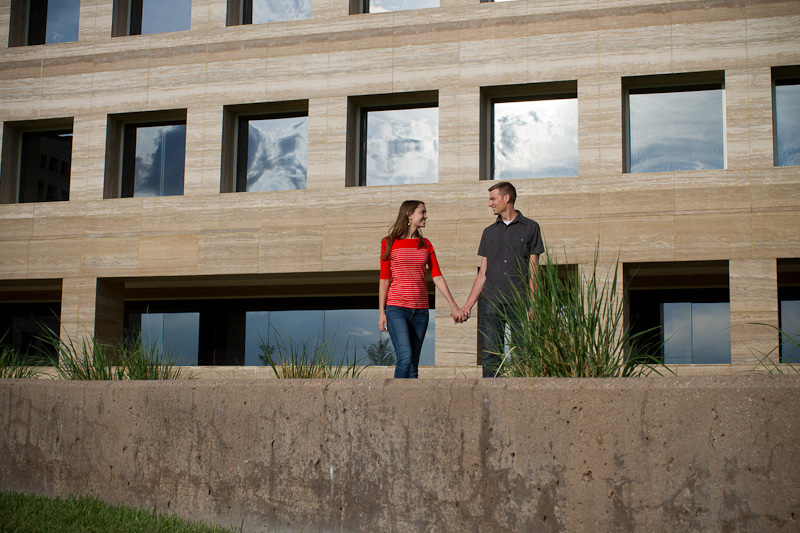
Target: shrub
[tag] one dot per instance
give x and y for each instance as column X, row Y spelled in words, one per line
column 12, row 365
column 292, row 359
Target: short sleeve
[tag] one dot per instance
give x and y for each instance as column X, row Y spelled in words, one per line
column 386, row 264
column 432, row 262
column 482, row 246
column 537, row 245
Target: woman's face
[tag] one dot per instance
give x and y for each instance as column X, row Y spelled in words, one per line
column 418, row 217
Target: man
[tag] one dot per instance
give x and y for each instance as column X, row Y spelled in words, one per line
column 509, row 252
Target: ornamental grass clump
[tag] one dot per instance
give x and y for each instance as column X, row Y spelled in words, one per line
column 770, row 362
column 573, row 326
column 12, row 365
column 292, row 359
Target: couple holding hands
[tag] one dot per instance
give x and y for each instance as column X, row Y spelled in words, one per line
column 406, row 256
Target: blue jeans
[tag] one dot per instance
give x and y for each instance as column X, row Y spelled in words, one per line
column 407, row 329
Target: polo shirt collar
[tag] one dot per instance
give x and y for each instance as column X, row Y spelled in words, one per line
column 516, row 218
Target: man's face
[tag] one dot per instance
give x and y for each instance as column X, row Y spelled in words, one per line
column 497, row 201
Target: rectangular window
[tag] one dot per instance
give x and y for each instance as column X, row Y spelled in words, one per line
column 386, row 6
column 674, row 123
column 264, row 11
column 38, row 160
column 531, row 131
column 146, row 17
column 683, row 309
column 786, row 115
column 393, row 140
column 789, row 309
column 43, row 22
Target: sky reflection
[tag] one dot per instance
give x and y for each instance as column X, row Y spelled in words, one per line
column 265, row 11
column 160, row 157
column 790, row 324
column 535, row 139
column 787, row 125
column 62, row 21
column 384, row 6
column 673, row 131
column 403, row 146
column 277, row 154
column 178, row 334
column 696, row 333
column 161, row 16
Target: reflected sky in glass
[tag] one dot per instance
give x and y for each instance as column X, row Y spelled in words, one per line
column 345, row 330
column 787, row 124
column 675, row 131
column 175, row 333
column 790, row 324
column 697, row 333
column 277, row 154
column 161, row 16
column 535, row 139
column 403, row 146
column 62, row 21
column 160, row 156
column 384, row 6
column 280, row 10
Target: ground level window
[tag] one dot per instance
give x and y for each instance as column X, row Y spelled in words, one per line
column 789, row 309
column 25, row 328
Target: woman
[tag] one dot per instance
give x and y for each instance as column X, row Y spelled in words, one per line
column 403, row 289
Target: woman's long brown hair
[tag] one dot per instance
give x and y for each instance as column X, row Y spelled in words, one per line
column 400, row 226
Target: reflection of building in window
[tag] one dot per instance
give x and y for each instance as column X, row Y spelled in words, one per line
column 43, row 22
column 385, row 6
column 789, row 309
column 675, row 122
column 685, row 306
column 146, row 17
column 266, row 11
column 230, row 332
column 41, row 160
column 393, row 140
column 786, row 113
column 530, row 131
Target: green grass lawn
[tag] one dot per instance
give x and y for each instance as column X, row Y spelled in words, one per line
column 27, row 513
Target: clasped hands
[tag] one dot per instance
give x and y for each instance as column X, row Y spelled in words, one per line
column 459, row 314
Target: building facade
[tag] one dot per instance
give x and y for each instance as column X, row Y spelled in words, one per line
column 216, row 172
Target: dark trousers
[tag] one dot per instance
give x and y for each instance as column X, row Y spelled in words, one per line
column 492, row 327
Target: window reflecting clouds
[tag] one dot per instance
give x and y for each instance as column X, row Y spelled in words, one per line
column 676, row 130
column 384, row 6
column 160, row 153
column 161, row 16
column 175, row 333
column 277, row 154
column 787, row 123
column 62, row 21
column 535, row 139
column 280, row 10
column 402, row 146
column 696, row 333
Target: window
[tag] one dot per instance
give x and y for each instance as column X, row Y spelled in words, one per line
column 530, row 131
column 264, row 11
column 36, row 161
column 145, row 157
column 146, row 17
column 674, row 123
column 29, row 311
column 786, row 113
column 265, row 147
column 789, row 309
column 393, row 139
column 385, row 6
column 683, row 308
column 43, row 22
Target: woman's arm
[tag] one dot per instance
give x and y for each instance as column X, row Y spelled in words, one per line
column 455, row 311
column 383, row 290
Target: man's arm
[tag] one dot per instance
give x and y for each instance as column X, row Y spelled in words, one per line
column 477, row 287
column 534, row 268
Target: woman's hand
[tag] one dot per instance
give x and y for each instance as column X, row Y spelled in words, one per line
column 457, row 314
column 382, row 324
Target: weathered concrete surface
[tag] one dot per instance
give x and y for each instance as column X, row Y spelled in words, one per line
column 708, row 453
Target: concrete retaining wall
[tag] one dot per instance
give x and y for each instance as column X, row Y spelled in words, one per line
column 705, row 453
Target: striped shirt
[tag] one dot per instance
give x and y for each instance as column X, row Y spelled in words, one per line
column 406, row 268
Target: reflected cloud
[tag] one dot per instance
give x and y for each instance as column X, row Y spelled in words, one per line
column 535, row 139
column 161, row 16
column 677, row 131
column 787, row 122
column 62, row 21
column 265, row 11
column 277, row 155
column 386, row 6
column 160, row 158
column 403, row 146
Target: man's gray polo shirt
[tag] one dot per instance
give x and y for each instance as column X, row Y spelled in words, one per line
column 507, row 249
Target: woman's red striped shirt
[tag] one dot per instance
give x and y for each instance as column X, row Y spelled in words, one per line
column 406, row 267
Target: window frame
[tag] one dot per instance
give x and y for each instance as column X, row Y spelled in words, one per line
column 127, row 17
column 669, row 83
column 28, row 30
column 789, row 75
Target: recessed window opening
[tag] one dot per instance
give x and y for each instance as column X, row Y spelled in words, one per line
column 789, row 309
column 682, row 307
column 386, row 6
column 674, row 123
column 153, row 157
column 43, row 22
column 29, row 311
column 264, row 11
column 786, row 115
column 146, row 17
column 272, row 152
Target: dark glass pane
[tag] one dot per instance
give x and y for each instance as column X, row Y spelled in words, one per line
column 277, row 154
column 24, row 328
column 535, row 139
column 402, row 146
column 280, row 10
column 42, row 156
column 384, row 6
column 790, row 326
column 160, row 156
column 175, row 333
column 787, row 125
column 711, row 333
column 674, row 131
column 677, row 320
column 161, row 16
column 62, row 21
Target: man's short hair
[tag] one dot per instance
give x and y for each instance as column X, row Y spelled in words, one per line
column 505, row 188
